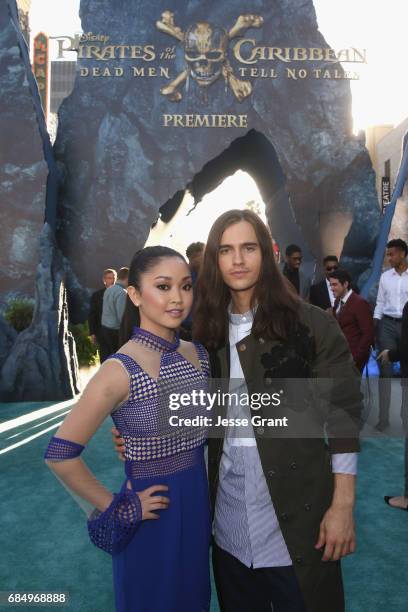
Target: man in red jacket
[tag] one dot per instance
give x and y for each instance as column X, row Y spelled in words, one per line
column 354, row 316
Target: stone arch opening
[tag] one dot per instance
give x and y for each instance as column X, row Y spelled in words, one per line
column 254, row 155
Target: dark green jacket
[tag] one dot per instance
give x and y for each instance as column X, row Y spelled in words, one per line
column 298, row 471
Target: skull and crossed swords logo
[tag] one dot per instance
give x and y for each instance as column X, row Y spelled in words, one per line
column 206, row 54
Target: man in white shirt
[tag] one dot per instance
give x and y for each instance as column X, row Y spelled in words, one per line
column 391, row 298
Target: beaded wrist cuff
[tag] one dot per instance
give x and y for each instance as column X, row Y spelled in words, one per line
column 59, row 449
column 113, row 529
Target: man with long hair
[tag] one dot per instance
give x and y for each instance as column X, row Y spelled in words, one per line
column 283, row 506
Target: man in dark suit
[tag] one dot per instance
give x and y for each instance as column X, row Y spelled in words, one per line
column 95, row 310
column 321, row 294
column 354, row 316
column 195, row 253
column 291, row 269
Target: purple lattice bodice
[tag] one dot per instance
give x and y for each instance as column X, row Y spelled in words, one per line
column 152, row 445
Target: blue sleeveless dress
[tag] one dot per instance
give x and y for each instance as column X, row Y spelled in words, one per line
column 165, row 566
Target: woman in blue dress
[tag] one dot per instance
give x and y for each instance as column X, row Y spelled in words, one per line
column 157, row 528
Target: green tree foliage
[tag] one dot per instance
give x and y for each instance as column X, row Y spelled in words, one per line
column 19, row 313
column 86, row 351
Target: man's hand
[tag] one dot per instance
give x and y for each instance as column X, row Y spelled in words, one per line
column 119, row 443
column 93, row 339
column 383, row 356
column 337, row 533
column 337, row 527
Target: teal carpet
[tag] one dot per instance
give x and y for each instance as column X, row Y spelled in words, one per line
column 44, row 542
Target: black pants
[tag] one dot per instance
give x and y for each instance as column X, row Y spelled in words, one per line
column 102, row 348
column 110, row 342
column 243, row 589
column 389, row 334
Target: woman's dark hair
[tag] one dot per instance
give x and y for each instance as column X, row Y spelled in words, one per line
column 277, row 301
column 142, row 261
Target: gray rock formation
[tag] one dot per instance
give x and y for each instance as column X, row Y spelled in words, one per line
column 42, row 363
column 8, row 336
column 23, row 169
column 120, row 163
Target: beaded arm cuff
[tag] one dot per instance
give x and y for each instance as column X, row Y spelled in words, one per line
column 59, row 449
column 113, row 529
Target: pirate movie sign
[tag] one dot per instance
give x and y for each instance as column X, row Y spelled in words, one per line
column 204, row 54
column 205, row 48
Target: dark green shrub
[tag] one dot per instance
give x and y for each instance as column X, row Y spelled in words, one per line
column 86, row 351
column 19, row 313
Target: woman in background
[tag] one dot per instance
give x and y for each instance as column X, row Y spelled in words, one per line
column 157, row 527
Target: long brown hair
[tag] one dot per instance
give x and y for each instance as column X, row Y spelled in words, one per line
column 277, row 301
